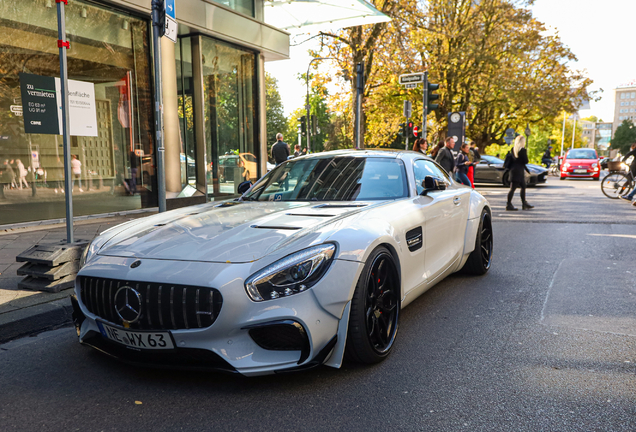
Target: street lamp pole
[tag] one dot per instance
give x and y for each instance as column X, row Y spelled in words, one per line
column 307, row 106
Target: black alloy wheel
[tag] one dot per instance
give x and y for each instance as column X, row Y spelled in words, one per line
column 375, row 309
column 480, row 259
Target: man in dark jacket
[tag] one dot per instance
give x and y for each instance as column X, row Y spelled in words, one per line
column 632, row 170
column 280, row 150
column 445, row 156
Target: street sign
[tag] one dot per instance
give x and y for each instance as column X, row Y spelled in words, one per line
column 414, row 78
column 407, row 109
column 410, row 86
column 171, row 20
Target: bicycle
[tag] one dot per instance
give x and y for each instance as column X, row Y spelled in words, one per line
column 617, row 182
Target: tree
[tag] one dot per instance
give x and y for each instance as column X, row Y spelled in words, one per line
column 495, row 62
column 276, row 121
column 381, row 47
column 624, row 136
column 492, row 59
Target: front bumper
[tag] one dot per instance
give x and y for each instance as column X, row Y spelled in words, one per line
column 227, row 344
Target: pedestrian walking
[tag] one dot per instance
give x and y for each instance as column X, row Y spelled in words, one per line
column 516, row 175
column 436, row 149
column 4, row 178
column 22, row 173
column 474, row 157
column 632, row 170
column 76, row 168
column 10, row 174
column 445, row 156
column 134, row 171
column 462, row 163
column 420, row 145
column 280, row 150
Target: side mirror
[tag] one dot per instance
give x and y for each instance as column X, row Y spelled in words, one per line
column 431, row 184
column 244, row 187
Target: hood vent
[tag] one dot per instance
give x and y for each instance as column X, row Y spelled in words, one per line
column 310, row 215
column 334, row 206
column 290, row 228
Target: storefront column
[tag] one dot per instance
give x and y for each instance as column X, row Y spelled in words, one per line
column 170, row 118
column 262, row 116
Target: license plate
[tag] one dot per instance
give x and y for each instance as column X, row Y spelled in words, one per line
column 137, row 339
column 580, row 171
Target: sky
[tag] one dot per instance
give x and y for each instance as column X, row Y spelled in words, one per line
column 599, row 33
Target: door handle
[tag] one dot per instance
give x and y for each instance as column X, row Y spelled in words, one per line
column 457, row 200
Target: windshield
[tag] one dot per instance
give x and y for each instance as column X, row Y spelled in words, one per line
column 582, row 154
column 333, row 179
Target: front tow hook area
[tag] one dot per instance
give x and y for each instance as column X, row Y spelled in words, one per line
column 78, row 316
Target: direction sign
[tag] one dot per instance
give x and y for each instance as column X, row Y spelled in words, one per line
column 413, row 78
column 171, row 20
column 170, row 9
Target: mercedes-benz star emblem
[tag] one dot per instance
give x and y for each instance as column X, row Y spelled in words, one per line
column 128, row 304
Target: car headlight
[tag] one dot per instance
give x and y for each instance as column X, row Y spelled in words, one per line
column 91, row 250
column 594, row 165
column 566, row 165
column 291, row 275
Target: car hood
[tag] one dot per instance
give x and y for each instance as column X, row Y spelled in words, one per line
column 235, row 232
column 538, row 169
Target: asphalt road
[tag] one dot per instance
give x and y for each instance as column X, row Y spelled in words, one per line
column 546, row 341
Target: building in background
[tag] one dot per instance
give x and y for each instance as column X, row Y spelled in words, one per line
column 624, row 104
column 597, row 135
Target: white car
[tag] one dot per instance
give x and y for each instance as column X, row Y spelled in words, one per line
column 311, row 265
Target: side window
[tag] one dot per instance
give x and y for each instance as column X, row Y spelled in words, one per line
column 423, row 168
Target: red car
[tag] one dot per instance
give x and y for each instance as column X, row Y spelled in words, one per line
column 581, row 163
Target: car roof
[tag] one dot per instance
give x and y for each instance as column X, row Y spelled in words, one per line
column 393, row 153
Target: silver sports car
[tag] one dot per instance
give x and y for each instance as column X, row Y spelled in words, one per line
column 310, row 266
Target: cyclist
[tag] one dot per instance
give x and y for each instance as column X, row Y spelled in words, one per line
column 547, row 157
column 632, row 172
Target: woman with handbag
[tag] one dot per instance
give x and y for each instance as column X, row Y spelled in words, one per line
column 516, row 175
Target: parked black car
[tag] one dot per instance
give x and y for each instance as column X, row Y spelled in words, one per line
column 490, row 169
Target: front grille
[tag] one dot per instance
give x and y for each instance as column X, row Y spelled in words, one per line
column 163, row 306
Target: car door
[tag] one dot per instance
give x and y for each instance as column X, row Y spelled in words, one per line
column 442, row 212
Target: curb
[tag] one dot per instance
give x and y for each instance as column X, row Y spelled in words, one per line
column 35, row 319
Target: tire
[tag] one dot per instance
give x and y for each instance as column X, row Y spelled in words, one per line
column 615, row 184
column 375, row 309
column 504, row 179
column 561, row 178
column 480, row 259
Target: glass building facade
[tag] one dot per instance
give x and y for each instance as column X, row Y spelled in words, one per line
column 213, row 101
column 114, row 171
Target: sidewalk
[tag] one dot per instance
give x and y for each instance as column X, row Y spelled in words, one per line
column 27, row 312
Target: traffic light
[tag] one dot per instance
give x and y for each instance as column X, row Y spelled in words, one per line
column 303, row 125
column 402, row 131
column 430, row 88
column 409, row 128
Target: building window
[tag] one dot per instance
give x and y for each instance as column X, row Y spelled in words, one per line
column 243, row 6
column 110, row 50
column 230, row 112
